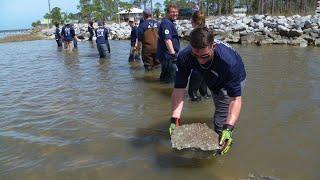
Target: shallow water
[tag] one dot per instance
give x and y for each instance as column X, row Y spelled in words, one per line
column 73, row 116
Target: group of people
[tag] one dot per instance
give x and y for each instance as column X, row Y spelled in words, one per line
column 205, row 64
column 160, row 46
column 67, row 35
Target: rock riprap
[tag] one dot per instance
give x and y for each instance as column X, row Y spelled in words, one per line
column 195, row 136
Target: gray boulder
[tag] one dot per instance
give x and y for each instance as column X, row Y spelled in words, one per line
column 239, row 27
column 295, row 33
column 257, row 18
column 307, row 24
column 298, row 42
column 247, row 39
column 317, row 42
column 195, row 136
column 283, row 31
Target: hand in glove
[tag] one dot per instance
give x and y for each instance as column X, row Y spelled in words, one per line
column 173, row 58
column 226, row 138
column 174, row 123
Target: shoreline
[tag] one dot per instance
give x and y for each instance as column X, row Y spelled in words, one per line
column 256, row 29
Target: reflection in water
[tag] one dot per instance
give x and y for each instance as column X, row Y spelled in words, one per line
column 75, row 116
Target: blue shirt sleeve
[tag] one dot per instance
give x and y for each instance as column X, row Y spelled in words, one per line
column 166, row 31
column 182, row 73
column 233, row 84
column 140, row 33
column 73, row 33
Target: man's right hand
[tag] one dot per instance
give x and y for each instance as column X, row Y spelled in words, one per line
column 173, row 58
column 174, row 123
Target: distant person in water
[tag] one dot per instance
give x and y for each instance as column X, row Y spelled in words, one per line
column 75, row 39
column 134, row 51
column 148, row 37
column 90, row 30
column 68, row 35
column 196, row 81
column 57, row 35
column 102, row 41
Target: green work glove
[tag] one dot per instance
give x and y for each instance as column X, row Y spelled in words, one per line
column 226, row 138
column 174, row 123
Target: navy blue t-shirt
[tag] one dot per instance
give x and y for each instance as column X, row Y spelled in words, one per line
column 147, row 24
column 90, row 29
column 167, row 31
column 134, row 35
column 225, row 71
column 102, row 35
column 68, row 32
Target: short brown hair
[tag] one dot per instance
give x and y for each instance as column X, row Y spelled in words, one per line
column 198, row 19
column 171, row 5
column 201, row 38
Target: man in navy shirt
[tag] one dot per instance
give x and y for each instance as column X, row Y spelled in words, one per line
column 90, row 30
column 57, row 35
column 102, row 40
column 68, row 34
column 223, row 70
column 148, row 37
column 168, row 44
column 134, row 55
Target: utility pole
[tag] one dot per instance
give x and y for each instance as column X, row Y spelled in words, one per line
column 151, row 9
column 49, row 14
column 118, row 11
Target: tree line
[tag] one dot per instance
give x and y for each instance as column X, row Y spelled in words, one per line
column 107, row 9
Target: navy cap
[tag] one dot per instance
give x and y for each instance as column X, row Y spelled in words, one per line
column 147, row 11
column 100, row 23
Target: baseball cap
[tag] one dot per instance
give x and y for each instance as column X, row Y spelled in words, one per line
column 131, row 19
column 147, row 11
column 100, row 23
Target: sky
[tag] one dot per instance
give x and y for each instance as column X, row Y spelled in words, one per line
column 19, row 14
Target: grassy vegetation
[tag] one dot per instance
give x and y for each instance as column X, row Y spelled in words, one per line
column 21, row 37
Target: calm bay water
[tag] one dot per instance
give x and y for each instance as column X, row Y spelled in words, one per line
column 5, row 33
column 73, row 116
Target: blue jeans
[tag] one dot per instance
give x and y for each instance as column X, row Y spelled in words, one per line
column 221, row 102
column 59, row 42
column 134, row 55
column 168, row 70
column 102, row 49
column 75, row 43
column 197, row 82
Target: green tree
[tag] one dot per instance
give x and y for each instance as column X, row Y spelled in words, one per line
column 157, row 11
column 35, row 24
column 110, row 8
column 56, row 15
column 85, row 8
column 97, row 10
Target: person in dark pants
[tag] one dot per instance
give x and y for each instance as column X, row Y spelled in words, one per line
column 57, row 35
column 223, row 70
column 148, row 37
column 68, row 35
column 168, row 44
column 90, row 30
column 196, row 81
column 75, row 39
column 102, row 40
column 134, row 51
